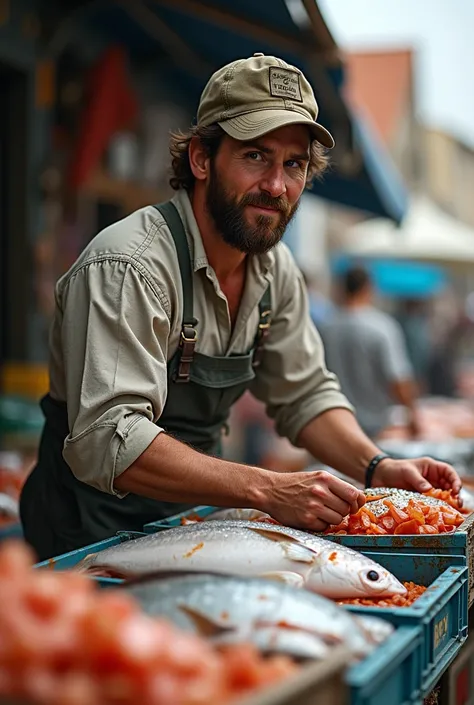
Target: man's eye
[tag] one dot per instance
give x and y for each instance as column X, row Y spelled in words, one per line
column 255, row 156
column 294, row 164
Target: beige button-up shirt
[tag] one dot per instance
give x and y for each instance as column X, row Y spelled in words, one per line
column 117, row 324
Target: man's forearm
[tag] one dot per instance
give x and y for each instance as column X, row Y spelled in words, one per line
column 336, row 439
column 171, row 471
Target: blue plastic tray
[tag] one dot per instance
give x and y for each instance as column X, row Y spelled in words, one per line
column 441, row 612
column 391, row 674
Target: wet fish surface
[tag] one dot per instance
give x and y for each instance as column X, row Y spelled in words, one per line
column 275, row 617
column 250, row 549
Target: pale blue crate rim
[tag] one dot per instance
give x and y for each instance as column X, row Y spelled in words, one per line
column 397, row 658
column 201, row 511
column 69, row 560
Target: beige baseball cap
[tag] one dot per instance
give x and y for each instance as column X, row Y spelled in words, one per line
column 251, row 97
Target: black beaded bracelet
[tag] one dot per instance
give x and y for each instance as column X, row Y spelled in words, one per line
column 369, row 473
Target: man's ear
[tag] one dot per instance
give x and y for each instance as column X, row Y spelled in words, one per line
column 198, row 159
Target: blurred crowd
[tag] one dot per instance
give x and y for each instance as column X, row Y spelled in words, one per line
column 407, row 365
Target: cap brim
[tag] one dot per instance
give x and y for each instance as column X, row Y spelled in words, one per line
column 258, row 123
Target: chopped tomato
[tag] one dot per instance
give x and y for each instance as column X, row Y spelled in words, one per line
column 407, row 527
column 398, row 514
column 415, row 513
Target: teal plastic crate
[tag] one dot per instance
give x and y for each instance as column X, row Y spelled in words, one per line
column 441, row 612
column 391, row 674
column 201, row 511
column 12, row 531
column 69, row 560
column 447, row 544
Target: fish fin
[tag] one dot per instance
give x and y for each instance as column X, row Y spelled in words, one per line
column 205, row 626
column 285, row 576
column 85, row 563
column 293, row 548
column 299, row 553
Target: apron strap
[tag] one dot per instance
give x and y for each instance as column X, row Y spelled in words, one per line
column 265, row 310
column 188, row 329
column 188, row 336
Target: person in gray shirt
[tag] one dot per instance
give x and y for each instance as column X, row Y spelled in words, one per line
column 365, row 348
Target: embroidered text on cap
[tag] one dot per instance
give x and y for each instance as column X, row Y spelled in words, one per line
column 285, row 83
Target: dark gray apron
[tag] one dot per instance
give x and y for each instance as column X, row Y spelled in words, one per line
column 59, row 513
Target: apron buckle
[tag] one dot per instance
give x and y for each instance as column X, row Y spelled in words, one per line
column 187, row 344
column 262, row 334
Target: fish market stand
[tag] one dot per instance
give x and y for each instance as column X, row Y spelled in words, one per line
column 429, row 635
column 456, row 680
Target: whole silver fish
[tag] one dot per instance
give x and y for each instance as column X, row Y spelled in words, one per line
column 399, row 498
column 275, row 617
column 251, row 549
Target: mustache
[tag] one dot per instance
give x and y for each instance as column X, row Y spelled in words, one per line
column 265, row 201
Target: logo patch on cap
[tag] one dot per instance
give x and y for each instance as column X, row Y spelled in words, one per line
column 285, row 83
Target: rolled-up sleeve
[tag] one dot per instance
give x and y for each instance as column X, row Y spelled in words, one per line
column 293, row 380
column 114, row 339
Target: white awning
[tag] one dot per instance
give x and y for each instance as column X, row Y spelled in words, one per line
column 427, row 234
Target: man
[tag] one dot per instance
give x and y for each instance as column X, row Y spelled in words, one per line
column 365, row 348
column 169, row 316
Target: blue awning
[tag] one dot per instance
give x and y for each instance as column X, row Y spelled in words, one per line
column 189, row 39
column 397, row 279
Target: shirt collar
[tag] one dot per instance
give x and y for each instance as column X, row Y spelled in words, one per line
column 198, row 254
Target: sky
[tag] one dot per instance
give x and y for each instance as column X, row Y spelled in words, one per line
column 442, row 34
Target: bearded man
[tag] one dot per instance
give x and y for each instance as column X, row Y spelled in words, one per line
column 171, row 314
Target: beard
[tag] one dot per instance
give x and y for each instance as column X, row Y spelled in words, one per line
column 229, row 218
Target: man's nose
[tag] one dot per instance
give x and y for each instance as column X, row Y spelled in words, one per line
column 274, row 182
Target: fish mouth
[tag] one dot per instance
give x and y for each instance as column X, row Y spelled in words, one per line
column 398, row 589
column 393, row 588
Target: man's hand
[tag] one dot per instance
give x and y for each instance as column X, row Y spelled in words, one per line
column 420, row 474
column 311, row 500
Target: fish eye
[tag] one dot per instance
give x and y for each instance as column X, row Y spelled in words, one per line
column 373, row 575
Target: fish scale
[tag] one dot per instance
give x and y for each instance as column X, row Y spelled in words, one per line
column 399, row 499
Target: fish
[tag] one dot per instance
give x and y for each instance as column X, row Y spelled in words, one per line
column 250, row 549
column 274, row 617
column 399, row 498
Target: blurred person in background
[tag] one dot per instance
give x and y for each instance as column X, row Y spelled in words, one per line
column 365, row 348
column 172, row 313
column 415, row 323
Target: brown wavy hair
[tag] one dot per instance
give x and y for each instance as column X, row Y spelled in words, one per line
column 211, row 138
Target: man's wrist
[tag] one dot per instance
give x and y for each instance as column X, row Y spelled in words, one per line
column 372, row 467
column 259, row 488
